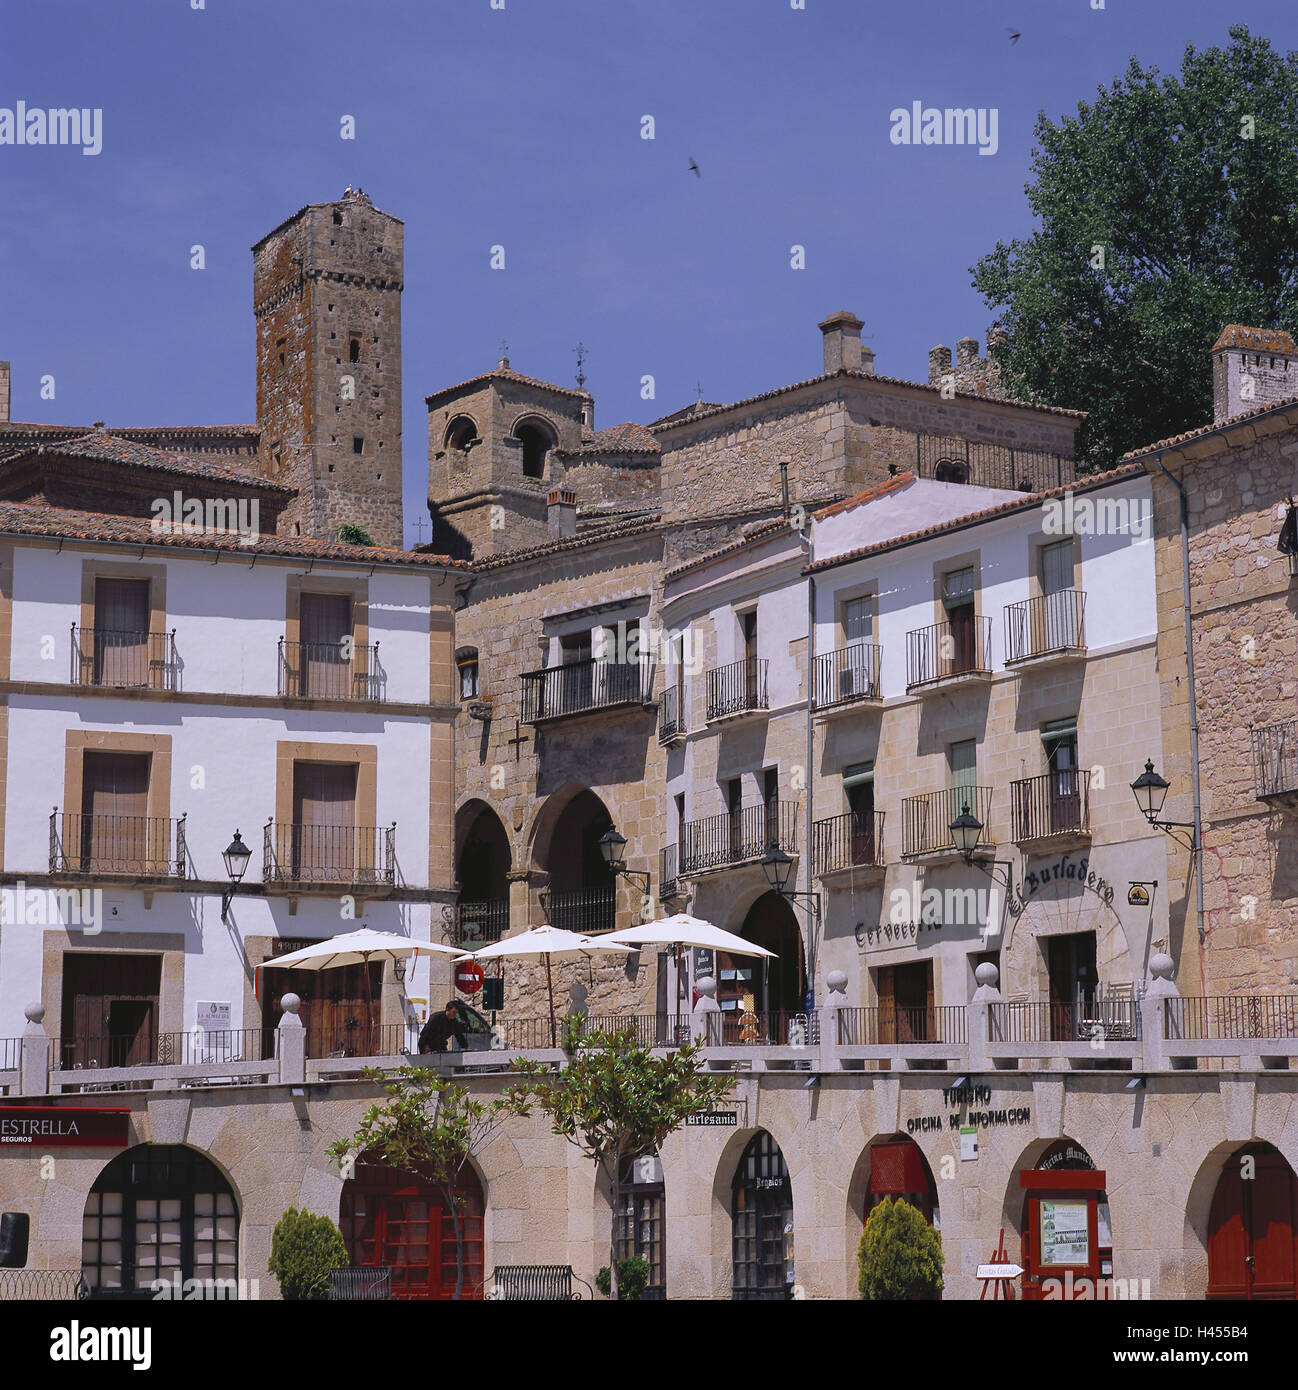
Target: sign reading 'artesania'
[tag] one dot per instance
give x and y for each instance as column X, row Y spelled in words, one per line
column 64, row 1127
column 714, row 1117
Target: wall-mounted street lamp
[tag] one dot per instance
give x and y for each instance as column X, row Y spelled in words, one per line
column 966, row 834
column 236, row 857
column 778, row 868
column 399, row 968
column 613, row 847
column 1150, row 791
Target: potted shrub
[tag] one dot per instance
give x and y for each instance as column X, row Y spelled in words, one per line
column 900, row 1254
column 303, row 1249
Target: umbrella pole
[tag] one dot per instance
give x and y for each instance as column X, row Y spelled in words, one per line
column 549, row 984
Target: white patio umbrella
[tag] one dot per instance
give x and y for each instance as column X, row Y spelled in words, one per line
column 354, row 948
column 547, row 942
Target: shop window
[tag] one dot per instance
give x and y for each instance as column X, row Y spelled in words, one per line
column 762, row 1223
column 641, row 1219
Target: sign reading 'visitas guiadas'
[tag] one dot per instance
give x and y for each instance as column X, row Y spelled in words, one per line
column 64, row 1127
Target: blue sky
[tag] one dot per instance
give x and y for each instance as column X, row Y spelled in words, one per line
column 521, row 127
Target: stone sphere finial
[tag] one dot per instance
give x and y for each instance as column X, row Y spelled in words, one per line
column 987, row 973
column 290, row 1003
column 837, row 981
column 1161, row 965
column 707, row 986
column 34, row 1013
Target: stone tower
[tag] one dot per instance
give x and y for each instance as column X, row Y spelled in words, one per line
column 327, row 300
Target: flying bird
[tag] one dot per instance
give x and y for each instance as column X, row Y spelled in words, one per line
column 695, row 167
column 1015, row 36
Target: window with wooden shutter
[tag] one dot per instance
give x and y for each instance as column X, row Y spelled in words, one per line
column 112, row 833
column 324, row 820
column 120, row 650
column 326, row 648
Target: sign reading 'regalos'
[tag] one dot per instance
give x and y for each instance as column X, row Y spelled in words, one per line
column 64, row 1127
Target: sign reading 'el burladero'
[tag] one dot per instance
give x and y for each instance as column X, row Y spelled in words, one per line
column 64, row 1127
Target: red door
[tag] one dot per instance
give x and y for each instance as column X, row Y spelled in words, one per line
column 1252, row 1252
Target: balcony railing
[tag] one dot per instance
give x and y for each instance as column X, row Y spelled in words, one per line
column 737, row 688
column 342, row 670
column 1115, row 1018
column 1275, row 760
column 134, row 846
column 926, row 820
column 945, row 1023
column 1231, row 1016
column 129, row 660
column 671, row 714
column 1056, row 803
column 145, row 1049
column 852, row 840
column 948, row 649
column 584, row 910
column 735, row 838
column 668, row 859
column 483, row 921
column 850, row 674
column 1045, row 625
column 329, row 853
column 579, row 686
column 777, row 1028
column 952, row 459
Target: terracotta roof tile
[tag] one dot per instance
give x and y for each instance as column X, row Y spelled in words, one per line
column 506, row 374
column 1236, row 335
column 590, row 537
column 627, row 438
column 869, row 495
column 1172, row 441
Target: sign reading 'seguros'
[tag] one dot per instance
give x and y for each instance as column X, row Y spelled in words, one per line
column 64, row 1127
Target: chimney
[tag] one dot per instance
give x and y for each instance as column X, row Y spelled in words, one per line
column 561, row 513
column 939, row 364
column 843, row 343
column 4, row 393
column 966, row 352
column 1252, row 367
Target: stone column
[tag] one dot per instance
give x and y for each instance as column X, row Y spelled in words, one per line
column 980, row 1016
column 830, row 1032
column 707, row 1013
column 1152, row 1009
column 292, row 1042
column 34, row 1058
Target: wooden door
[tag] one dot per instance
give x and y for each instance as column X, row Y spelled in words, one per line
column 912, row 1001
column 1252, row 1249
column 751, row 685
column 324, row 822
column 112, row 834
column 1070, row 961
column 860, row 802
column 121, row 640
column 110, row 1009
column 1056, row 628
column 334, row 1007
column 326, row 657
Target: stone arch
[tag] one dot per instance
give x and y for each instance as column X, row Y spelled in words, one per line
column 461, row 432
column 580, row 890
column 537, row 436
column 483, row 859
column 860, row 1199
column 762, row 1220
column 479, row 818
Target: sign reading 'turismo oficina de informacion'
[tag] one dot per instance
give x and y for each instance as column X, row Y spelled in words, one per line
column 64, row 1127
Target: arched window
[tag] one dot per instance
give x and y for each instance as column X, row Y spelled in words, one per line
column 762, row 1223
column 466, row 662
column 158, row 1211
column 354, row 350
column 536, row 444
column 460, row 433
column 951, row 471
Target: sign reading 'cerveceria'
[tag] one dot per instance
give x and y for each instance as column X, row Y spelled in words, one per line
column 64, row 1127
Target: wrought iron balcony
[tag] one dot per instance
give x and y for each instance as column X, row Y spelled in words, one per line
column 926, row 820
column 848, row 676
column 947, row 650
column 481, row 922
column 310, row 854
column 853, row 840
column 1275, row 762
column 952, row 459
column 739, row 688
column 888, row 1024
column 331, row 670
column 585, row 910
column 671, row 714
column 581, row 686
column 1054, row 804
column 668, row 858
column 717, row 842
column 119, row 846
column 124, row 660
column 1050, row 626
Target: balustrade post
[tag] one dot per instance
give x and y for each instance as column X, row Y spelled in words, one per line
column 292, row 1043
column 980, row 1016
column 835, row 999
column 34, row 1054
column 1154, row 1008
column 706, row 1027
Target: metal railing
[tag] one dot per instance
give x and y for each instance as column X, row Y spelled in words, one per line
column 884, row 1024
column 926, row 820
column 329, row 853
column 584, row 910
column 32, row 1285
column 847, row 675
column 668, row 858
column 650, row 1030
column 1231, row 1016
column 948, row 649
column 1275, row 759
column 1051, row 623
column 360, row 1284
column 951, row 459
column 139, row 846
column 1055, row 803
column 737, row 688
column 735, row 838
column 11, row 1052
column 852, row 840
column 343, row 670
column 1114, row 1018
column 671, row 714
column 133, row 660
column 774, row 1028
column 360, row 1040
column 194, row 1048
column 484, row 921
column 578, row 686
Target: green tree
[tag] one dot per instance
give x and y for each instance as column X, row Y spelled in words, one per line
column 632, row 1278
column 613, row 1098
column 304, row 1247
column 900, row 1254
column 430, row 1127
column 352, row 534
column 1168, row 207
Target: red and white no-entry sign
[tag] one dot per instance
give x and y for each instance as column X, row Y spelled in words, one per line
column 468, row 977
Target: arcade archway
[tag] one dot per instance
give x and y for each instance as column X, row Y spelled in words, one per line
column 1252, row 1248
column 769, row 991
column 482, row 863
column 761, row 1216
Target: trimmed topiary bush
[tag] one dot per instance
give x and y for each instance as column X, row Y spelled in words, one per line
column 303, row 1249
column 354, row 535
column 900, row 1254
column 632, row 1278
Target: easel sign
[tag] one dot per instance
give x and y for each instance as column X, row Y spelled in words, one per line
column 1000, row 1274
